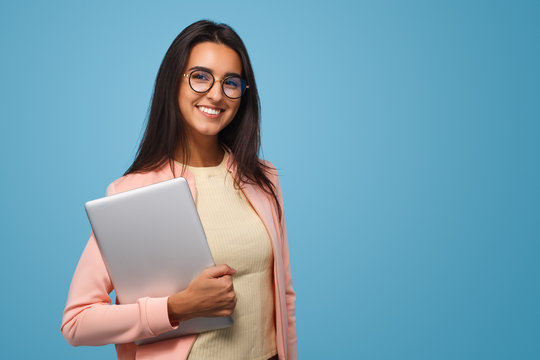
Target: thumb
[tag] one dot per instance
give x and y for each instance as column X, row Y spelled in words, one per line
column 219, row 270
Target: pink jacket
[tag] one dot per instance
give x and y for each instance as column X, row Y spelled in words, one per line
column 90, row 319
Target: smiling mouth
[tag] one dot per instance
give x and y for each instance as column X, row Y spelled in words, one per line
column 210, row 111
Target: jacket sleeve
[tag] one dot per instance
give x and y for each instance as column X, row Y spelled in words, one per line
column 290, row 295
column 89, row 317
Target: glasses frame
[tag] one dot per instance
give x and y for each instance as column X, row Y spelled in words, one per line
column 214, row 81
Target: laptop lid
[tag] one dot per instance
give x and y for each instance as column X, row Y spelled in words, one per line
column 153, row 244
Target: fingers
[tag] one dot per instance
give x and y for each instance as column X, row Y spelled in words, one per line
column 213, row 291
column 227, row 282
column 231, row 305
column 219, row 270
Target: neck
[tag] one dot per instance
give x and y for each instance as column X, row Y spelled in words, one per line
column 203, row 152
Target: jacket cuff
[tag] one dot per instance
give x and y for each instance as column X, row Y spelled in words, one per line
column 158, row 316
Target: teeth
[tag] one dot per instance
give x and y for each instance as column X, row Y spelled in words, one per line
column 209, row 111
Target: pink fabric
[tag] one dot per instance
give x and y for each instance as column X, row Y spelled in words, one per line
column 90, row 319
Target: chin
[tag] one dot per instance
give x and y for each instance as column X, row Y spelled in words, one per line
column 207, row 131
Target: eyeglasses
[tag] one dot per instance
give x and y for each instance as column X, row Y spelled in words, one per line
column 202, row 81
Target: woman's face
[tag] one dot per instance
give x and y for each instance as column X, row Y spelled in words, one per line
column 206, row 114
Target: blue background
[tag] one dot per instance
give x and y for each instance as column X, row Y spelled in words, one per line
column 406, row 134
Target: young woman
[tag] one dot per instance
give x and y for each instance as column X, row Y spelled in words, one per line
column 204, row 126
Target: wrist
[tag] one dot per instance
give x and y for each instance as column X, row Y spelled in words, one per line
column 177, row 307
column 170, row 312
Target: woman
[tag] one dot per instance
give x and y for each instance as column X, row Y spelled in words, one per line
column 204, row 126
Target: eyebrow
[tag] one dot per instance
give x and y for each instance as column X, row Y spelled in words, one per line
column 210, row 71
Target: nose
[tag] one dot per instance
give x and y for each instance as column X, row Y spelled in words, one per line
column 215, row 92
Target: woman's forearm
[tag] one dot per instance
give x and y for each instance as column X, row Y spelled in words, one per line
column 90, row 319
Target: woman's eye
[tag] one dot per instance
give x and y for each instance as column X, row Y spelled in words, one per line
column 232, row 83
column 200, row 76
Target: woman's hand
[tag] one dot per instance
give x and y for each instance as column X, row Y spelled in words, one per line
column 211, row 294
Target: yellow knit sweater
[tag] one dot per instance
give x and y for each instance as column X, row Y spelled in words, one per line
column 237, row 237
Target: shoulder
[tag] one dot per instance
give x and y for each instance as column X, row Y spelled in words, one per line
column 271, row 171
column 137, row 180
column 268, row 168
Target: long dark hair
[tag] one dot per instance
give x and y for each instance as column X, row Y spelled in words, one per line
column 166, row 130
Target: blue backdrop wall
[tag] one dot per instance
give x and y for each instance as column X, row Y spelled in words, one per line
column 406, row 134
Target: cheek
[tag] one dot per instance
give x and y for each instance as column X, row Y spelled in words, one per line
column 184, row 101
column 235, row 110
column 181, row 99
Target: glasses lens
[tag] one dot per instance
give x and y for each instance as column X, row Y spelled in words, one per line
column 201, row 81
column 234, row 87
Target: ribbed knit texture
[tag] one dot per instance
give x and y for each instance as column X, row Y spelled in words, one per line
column 237, row 237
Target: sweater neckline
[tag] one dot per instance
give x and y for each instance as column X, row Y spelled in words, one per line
column 208, row 170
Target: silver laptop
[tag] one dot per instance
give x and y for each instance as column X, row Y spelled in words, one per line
column 153, row 244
